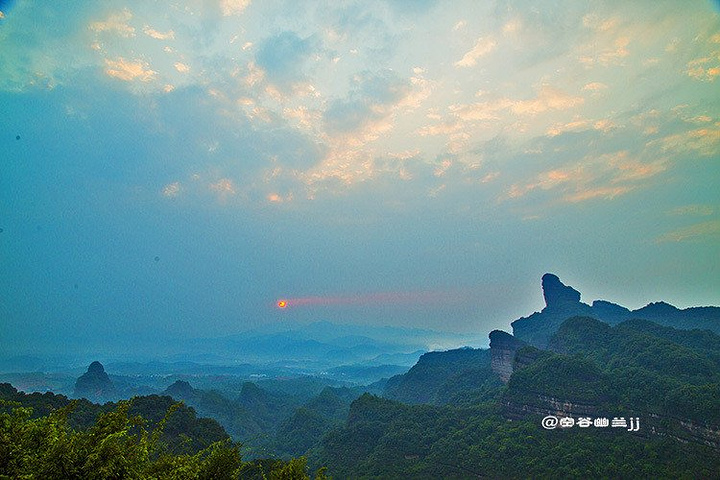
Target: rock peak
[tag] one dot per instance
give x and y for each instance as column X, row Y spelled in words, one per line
column 96, row 368
column 180, row 390
column 95, row 384
column 558, row 295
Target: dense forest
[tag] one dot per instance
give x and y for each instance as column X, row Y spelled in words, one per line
column 48, row 436
column 386, row 439
column 668, row 378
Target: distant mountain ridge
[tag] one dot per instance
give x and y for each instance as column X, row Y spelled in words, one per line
column 563, row 302
column 322, row 341
column 298, row 347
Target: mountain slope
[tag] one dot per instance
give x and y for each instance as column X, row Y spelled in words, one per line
column 453, row 376
column 632, row 369
column 389, row 440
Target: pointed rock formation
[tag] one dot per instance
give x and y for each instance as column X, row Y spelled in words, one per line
column 561, row 302
column 95, row 385
column 180, row 390
column 558, row 297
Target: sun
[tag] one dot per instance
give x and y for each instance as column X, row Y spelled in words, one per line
column 281, row 304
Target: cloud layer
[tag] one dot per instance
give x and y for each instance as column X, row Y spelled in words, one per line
column 422, row 143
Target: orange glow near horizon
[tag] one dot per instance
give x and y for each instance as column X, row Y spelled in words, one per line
column 399, row 298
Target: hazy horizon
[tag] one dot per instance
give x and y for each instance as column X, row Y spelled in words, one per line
column 176, row 168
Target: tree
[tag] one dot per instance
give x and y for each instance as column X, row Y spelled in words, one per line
column 116, row 446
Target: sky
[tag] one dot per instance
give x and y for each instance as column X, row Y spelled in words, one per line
column 177, row 166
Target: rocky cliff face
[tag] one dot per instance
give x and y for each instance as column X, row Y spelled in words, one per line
column 569, row 381
column 543, row 405
column 503, row 348
column 95, row 385
column 679, row 429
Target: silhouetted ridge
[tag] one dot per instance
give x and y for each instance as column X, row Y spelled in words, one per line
column 457, row 376
column 96, row 368
column 557, row 295
column 180, row 390
column 656, row 308
column 563, row 302
column 610, row 312
column 95, row 385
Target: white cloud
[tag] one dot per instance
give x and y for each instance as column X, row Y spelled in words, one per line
column 152, row 33
column 233, row 7
column 599, row 24
column 630, row 169
column 129, row 70
column 699, row 70
column 704, row 141
column 604, row 176
column 595, row 86
column 549, row 98
column 512, row 27
column 224, row 188
column 696, row 232
column 172, row 190
column 605, row 53
column 116, row 23
column 482, row 47
column 607, row 193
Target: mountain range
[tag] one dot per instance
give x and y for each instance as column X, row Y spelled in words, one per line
column 563, row 302
column 396, row 410
column 572, row 361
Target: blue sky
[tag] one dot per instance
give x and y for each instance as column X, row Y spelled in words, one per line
column 180, row 165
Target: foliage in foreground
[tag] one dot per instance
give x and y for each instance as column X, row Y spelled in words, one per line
column 118, row 446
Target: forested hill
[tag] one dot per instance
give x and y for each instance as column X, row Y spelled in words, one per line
column 666, row 378
column 49, row 436
column 184, row 432
column 670, row 376
column 457, row 420
column 384, row 439
column 461, row 376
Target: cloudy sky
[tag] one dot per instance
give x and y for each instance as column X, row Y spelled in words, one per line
column 179, row 165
